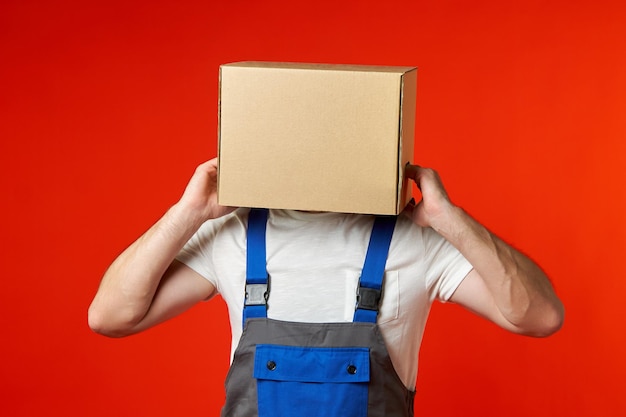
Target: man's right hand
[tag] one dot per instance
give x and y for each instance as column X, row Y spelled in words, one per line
column 200, row 197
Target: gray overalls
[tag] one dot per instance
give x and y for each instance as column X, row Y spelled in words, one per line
column 288, row 369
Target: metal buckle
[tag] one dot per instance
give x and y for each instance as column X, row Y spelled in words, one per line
column 368, row 298
column 256, row 294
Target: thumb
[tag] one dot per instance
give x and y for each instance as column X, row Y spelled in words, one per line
column 409, row 208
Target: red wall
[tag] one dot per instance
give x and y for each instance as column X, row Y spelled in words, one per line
column 106, row 107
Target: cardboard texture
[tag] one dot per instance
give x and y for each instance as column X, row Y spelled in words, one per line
column 316, row 136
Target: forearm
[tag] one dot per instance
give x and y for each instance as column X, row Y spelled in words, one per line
column 129, row 285
column 520, row 289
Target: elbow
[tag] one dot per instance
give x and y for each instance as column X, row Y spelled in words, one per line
column 100, row 323
column 557, row 319
column 550, row 322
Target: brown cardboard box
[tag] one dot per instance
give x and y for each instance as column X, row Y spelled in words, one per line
column 316, row 136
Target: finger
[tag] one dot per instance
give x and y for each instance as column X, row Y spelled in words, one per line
column 207, row 168
column 410, row 205
column 408, row 209
column 413, row 172
column 210, row 164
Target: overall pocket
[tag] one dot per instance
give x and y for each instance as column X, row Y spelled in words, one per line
column 311, row 381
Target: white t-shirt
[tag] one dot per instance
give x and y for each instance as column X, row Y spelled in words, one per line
column 314, row 261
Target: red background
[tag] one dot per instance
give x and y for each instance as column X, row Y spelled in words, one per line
column 107, row 107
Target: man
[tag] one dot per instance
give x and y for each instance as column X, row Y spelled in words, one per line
column 438, row 251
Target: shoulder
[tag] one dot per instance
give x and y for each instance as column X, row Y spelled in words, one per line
column 407, row 231
column 236, row 220
column 231, row 227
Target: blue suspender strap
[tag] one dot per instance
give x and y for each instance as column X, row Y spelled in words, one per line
column 257, row 279
column 370, row 286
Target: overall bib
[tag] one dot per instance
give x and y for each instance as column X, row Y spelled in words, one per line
column 289, row 369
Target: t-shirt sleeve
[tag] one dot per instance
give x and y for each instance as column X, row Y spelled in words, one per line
column 446, row 267
column 197, row 252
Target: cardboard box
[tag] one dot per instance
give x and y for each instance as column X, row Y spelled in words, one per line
column 316, row 136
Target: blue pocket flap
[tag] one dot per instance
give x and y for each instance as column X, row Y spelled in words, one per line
column 311, row 364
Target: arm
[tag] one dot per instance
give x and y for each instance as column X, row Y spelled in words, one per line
column 505, row 286
column 145, row 285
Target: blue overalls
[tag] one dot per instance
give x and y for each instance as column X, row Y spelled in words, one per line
column 290, row 369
